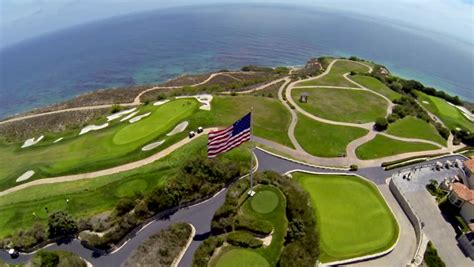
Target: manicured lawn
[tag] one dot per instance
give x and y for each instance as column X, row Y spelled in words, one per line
column 270, row 118
column 267, row 204
column 335, row 76
column 92, row 196
column 325, row 140
column 412, row 127
column 450, row 115
column 353, row 218
column 121, row 142
column 382, row 146
column 375, row 85
column 96, row 149
column 239, row 257
column 342, row 105
column 264, row 202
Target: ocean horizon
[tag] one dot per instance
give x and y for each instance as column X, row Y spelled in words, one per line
column 157, row 45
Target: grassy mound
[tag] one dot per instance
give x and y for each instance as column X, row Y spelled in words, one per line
column 325, row 140
column 352, row 216
column 264, row 201
column 335, row 76
column 375, row 85
column 412, row 127
column 382, row 146
column 342, row 105
column 241, row 257
column 450, row 115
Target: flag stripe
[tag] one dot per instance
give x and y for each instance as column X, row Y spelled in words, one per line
column 226, row 139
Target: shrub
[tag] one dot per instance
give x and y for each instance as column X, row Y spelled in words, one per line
column 48, row 259
column 431, row 257
column 354, row 167
column 115, row 108
column 204, row 251
column 381, row 124
column 260, row 227
column 124, row 205
column 243, row 239
column 61, row 224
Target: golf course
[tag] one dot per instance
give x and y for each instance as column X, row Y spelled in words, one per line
column 353, row 218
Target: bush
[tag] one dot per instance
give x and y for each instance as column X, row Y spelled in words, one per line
column 431, row 257
column 354, row 167
column 204, row 251
column 61, row 224
column 260, row 227
column 48, row 259
column 124, row 205
column 115, row 108
column 243, row 239
column 381, row 124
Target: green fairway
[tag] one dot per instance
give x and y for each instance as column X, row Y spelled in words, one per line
column 92, row 196
column 450, row 115
column 353, row 218
column 375, row 85
column 264, row 201
column 342, row 105
column 241, row 257
column 412, row 127
column 270, row 118
column 119, row 143
column 335, row 76
column 382, row 146
column 325, row 140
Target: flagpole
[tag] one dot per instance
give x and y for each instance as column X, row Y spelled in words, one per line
column 251, row 192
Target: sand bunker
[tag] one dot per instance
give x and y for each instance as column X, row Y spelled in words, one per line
column 129, row 116
column 152, row 145
column 204, row 99
column 137, row 118
column 161, row 102
column 25, row 176
column 57, row 140
column 89, row 128
column 120, row 114
column 426, row 102
column 32, row 141
column 179, row 128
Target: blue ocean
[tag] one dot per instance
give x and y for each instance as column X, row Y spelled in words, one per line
column 161, row 44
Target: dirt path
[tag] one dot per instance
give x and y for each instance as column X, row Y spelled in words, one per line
column 122, row 168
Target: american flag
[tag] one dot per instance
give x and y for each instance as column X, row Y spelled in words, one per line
column 224, row 140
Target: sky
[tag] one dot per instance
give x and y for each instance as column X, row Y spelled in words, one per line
column 24, row 19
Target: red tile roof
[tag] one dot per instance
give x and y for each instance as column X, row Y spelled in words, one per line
column 463, row 192
column 469, row 164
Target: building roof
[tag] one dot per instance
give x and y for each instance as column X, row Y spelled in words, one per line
column 463, row 192
column 469, row 164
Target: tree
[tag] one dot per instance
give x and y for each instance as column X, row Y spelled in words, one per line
column 61, row 224
column 48, row 259
column 381, row 124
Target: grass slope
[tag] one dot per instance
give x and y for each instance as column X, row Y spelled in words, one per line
column 335, row 76
column 270, row 118
column 17, row 208
column 353, row 218
column 342, row 105
column 325, row 140
column 376, row 85
column 450, row 115
column 382, row 146
column 412, row 127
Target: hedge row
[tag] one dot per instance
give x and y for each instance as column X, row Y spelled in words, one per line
column 243, row 239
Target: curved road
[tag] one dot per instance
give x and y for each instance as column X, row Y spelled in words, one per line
column 199, row 215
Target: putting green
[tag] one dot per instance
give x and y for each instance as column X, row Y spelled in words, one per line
column 159, row 121
column 264, row 201
column 353, row 218
column 240, row 258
